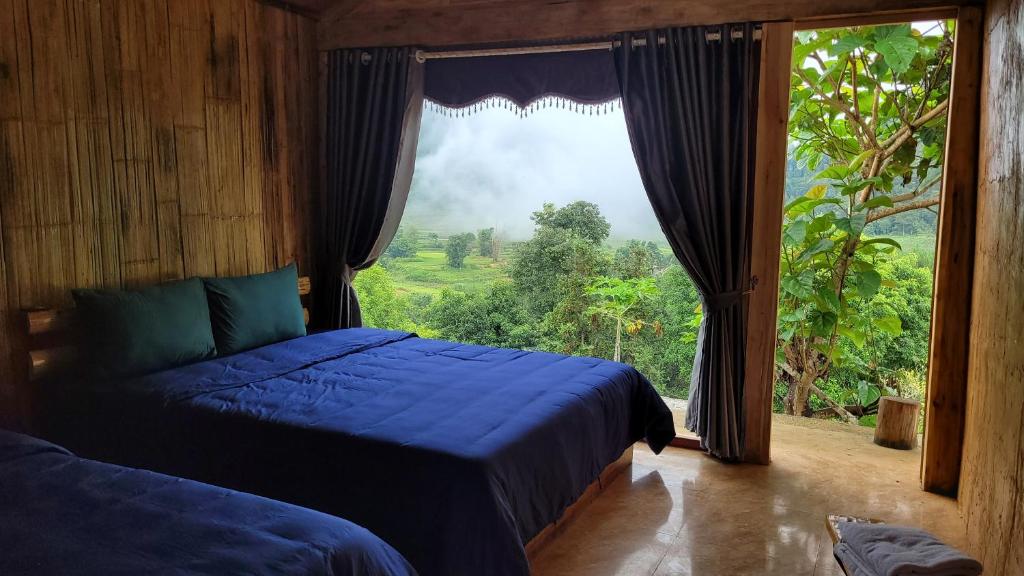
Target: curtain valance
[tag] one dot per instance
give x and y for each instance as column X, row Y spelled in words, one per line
column 566, row 79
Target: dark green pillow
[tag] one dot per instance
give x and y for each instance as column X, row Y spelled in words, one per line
column 132, row 332
column 253, row 311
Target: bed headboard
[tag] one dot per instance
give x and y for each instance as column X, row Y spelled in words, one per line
column 48, row 336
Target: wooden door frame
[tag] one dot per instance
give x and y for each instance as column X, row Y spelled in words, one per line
column 947, row 374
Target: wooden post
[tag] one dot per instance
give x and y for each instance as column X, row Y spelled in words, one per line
column 897, row 423
column 954, row 266
column 769, row 198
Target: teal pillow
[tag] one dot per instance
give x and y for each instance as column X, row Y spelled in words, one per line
column 132, row 332
column 253, row 311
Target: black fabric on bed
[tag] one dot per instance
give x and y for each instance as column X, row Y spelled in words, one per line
column 454, row 454
column 65, row 515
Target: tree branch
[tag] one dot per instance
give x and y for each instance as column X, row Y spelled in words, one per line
column 835, row 406
column 891, row 144
column 866, row 136
column 886, row 212
column 922, row 189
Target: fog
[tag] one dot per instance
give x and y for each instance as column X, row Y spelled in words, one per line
column 493, row 168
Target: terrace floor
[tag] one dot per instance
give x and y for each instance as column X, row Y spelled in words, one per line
column 685, row 513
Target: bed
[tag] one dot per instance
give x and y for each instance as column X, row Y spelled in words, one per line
column 457, row 455
column 67, row 515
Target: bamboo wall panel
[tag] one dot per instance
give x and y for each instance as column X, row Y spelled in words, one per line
column 143, row 141
column 992, row 472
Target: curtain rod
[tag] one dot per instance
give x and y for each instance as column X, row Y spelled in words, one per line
column 424, row 55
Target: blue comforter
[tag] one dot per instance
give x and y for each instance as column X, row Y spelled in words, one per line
column 454, row 454
column 65, row 515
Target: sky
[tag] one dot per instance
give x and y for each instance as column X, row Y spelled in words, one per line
column 494, row 168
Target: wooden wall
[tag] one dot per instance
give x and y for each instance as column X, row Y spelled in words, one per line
column 992, row 473
column 147, row 140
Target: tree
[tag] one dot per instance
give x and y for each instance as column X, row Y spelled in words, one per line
column 496, row 318
column 583, row 218
column 618, row 300
column 486, row 240
column 434, row 241
column 540, row 264
column 405, row 244
column 869, row 103
column 379, row 303
column 458, row 248
column 636, row 259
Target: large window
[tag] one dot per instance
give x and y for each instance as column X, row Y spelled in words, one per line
column 535, row 232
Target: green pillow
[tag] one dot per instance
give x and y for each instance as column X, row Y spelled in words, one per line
column 252, row 311
column 133, row 332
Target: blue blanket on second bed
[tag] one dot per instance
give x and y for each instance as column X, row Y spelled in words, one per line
column 454, row 454
column 60, row 514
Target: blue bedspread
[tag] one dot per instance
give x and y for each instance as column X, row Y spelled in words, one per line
column 65, row 515
column 454, row 454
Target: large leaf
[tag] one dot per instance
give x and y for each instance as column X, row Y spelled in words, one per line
column 886, row 241
column 858, row 337
column 834, row 172
column 846, row 44
column 889, row 324
column 867, row 394
column 868, row 283
column 829, row 298
column 817, row 192
column 876, row 202
column 796, row 231
column 898, row 51
column 822, row 245
column 800, row 285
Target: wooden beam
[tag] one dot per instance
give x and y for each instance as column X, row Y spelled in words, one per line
column 954, row 266
column 444, row 23
column 769, row 198
column 894, row 17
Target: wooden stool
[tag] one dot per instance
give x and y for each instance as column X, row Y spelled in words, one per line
column 896, row 426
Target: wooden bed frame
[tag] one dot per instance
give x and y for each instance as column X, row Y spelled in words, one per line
column 50, row 354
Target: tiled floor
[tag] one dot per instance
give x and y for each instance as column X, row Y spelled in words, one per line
column 687, row 514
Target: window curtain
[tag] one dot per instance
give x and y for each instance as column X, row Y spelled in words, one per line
column 690, row 102
column 374, row 103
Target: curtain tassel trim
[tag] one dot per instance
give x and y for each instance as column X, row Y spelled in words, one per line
column 543, row 103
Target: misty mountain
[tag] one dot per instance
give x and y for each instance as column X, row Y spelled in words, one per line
column 494, row 168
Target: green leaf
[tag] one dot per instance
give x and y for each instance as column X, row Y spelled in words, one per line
column 796, row 232
column 868, row 283
column 822, row 245
column 858, row 161
column 829, row 298
column 821, row 223
column 889, row 324
column 822, row 323
column 853, row 225
column 846, row 44
column 800, row 285
column 877, row 201
column 856, row 336
column 886, row 241
column 898, row 52
column 834, row 172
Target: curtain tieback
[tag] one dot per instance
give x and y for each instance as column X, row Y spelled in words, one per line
column 723, row 300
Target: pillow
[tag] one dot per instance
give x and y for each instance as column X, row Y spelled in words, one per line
column 253, row 311
column 134, row 332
